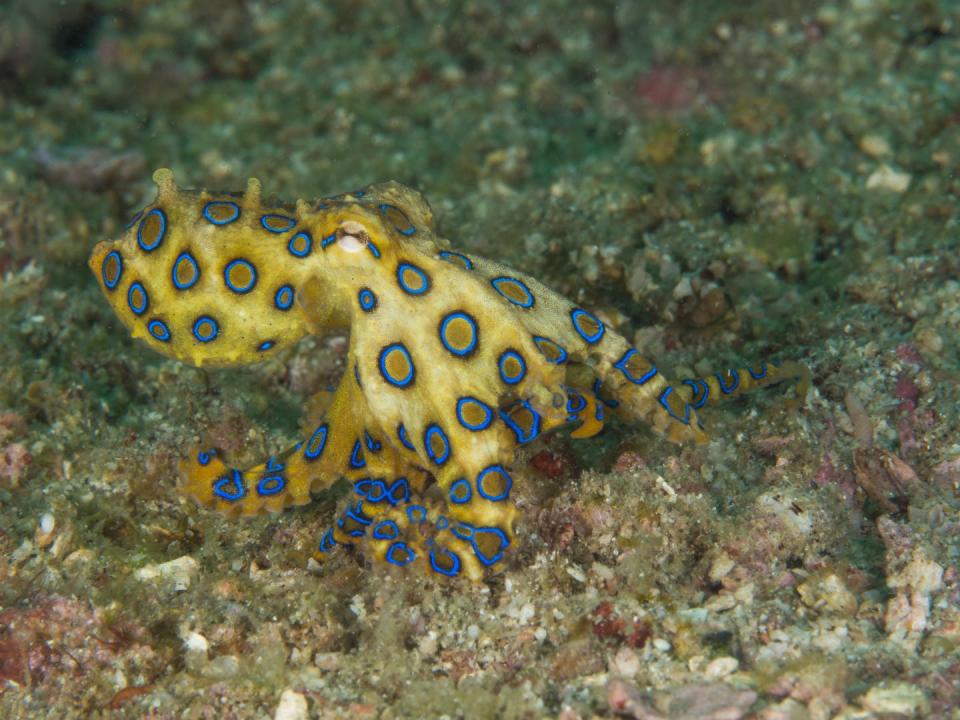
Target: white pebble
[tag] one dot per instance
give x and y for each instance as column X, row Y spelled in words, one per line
column 47, row 523
column 721, row 667
column 292, row 706
column 886, row 178
column 661, row 644
column 176, row 574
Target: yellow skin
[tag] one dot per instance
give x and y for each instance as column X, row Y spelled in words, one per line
column 454, row 360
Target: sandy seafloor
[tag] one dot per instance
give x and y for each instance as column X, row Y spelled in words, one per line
column 721, row 181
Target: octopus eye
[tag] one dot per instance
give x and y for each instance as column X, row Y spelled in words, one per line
column 351, row 237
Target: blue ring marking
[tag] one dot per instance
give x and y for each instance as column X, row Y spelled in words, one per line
column 265, row 219
column 240, row 289
column 522, row 436
column 442, row 523
column 460, row 491
column 136, row 216
column 488, row 413
column 113, row 254
column 271, row 485
column 328, row 240
column 204, row 457
column 159, row 330
column 357, row 532
column 359, row 193
column 208, row 211
column 419, row 510
column 403, row 382
column 283, row 299
column 357, row 460
column 468, row 533
column 404, row 440
column 435, row 430
column 576, row 317
column 448, row 254
column 424, row 279
column 266, row 345
column 735, row 383
column 399, row 491
column 453, row 571
column 686, row 408
column 701, row 392
column 205, row 329
column 523, row 367
column 373, row 445
column 356, row 514
column 467, row 351
column 596, row 391
column 483, row 476
column 504, row 544
column 538, row 339
column 621, row 365
column 760, row 375
column 317, row 442
column 410, row 229
column 386, row 530
column 327, row 542
column 575, row 403
column 160, row 233
column 517, row 284
column 374, row 250
column 188, row 258
column 144, row 298
column 400, row 554
column 372, row 490
column 235, row 478
column 367, row 300
column 307, row 247
column 463, row 530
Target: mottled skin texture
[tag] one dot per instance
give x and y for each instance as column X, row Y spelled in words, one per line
column 454, row 360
